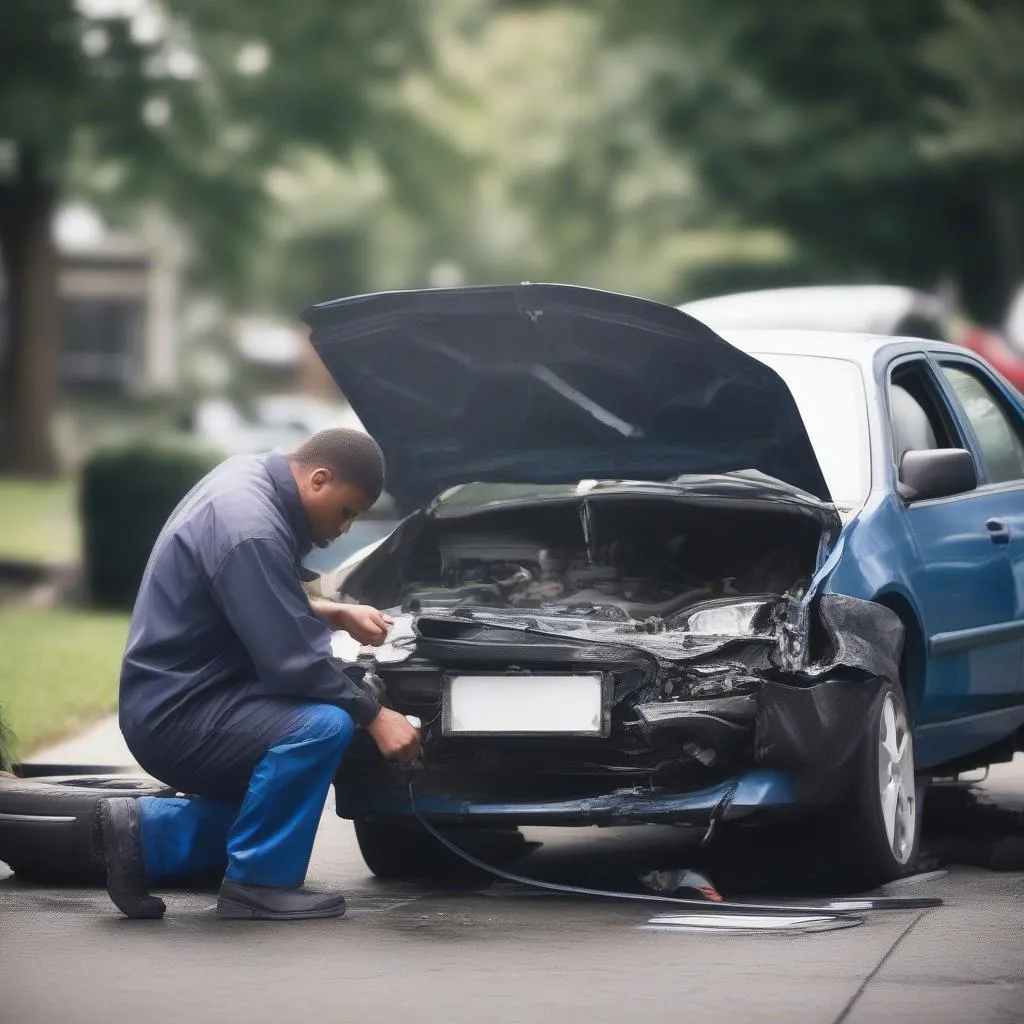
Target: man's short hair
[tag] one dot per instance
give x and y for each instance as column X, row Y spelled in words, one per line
column 350, row 455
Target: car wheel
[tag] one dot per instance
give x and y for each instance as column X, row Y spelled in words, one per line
column 46, row 823
column 394, row 850
column 878, row 828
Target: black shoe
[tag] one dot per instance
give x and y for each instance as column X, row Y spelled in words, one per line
column 117, row 834
column 268, row 903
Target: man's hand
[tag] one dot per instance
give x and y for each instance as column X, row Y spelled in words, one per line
column 396, row 738
column 360, row 621
column 365, row 624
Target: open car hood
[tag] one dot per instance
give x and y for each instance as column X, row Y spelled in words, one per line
column 549, row 383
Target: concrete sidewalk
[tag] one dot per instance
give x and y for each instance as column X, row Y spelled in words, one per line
column 100, row 744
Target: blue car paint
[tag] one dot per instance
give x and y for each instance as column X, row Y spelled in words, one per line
column 936, row 560
column 880, row 559
column 933, row 562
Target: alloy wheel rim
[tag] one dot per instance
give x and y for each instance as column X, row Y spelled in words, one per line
column 896, row 788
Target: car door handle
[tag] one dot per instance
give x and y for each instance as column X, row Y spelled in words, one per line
column 998, row 531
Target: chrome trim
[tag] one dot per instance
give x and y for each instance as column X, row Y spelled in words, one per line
column 55, row 819
column 979, row 636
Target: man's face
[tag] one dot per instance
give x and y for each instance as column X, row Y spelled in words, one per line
column 331, row 505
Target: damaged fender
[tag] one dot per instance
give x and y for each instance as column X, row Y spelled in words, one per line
column 808, row 711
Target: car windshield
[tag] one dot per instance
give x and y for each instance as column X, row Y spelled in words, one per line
column 830, row 396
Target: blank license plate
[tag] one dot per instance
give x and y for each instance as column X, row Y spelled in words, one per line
column 567, row 705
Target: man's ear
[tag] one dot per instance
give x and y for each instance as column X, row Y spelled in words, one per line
column 320, row 479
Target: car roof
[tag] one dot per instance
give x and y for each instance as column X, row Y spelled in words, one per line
column 855, row 347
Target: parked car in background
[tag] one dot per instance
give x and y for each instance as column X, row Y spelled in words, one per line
column 997, row 352
column 275, row 420
column 868, row 309
column 658, row 576
column 858, row 308
column 1014, row 325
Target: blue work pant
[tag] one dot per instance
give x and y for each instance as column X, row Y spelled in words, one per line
column 267, row 838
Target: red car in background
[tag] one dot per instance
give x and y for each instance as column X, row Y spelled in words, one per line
column 996, row 351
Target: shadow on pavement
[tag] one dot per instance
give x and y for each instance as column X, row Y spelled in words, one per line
column 962, row 825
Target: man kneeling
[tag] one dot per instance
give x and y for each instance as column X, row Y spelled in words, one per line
column 229, row 691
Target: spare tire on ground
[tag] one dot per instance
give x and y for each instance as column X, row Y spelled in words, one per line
column 46, row 822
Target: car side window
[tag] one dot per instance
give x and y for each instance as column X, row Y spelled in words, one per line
column 919, row 415
column 1000, row 440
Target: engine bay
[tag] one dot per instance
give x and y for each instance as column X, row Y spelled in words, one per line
column 496, row 572
column 618, row 561
column 696, row 612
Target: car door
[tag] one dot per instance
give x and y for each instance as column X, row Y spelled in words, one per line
column 994, row 420
column 963, row 582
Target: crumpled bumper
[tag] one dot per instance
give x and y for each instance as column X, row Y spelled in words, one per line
column 759, row 791
column 787, row 741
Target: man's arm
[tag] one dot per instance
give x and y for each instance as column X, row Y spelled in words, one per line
column 360, row 621
column 260, row 593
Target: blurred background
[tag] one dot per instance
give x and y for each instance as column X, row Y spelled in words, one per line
column 180, row 178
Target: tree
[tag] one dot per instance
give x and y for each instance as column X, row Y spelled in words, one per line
column 884, row 138
column 7, row 743
column 185, row 101
column 537, row 158
column 978, row 127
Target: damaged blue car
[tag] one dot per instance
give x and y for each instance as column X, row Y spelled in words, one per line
column 651, row 574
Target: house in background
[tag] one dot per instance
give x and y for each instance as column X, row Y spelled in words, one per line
column 119, row 299
column 130, row 330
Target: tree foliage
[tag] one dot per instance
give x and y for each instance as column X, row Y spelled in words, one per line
column 657, row 146
column 884, row 138
column 671, row 147
column 187, row 101
column 538, row 158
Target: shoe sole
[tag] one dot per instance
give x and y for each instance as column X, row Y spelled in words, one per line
column 229, row 910
column 101, row 851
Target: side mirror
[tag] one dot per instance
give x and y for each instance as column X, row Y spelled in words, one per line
column 936, row 473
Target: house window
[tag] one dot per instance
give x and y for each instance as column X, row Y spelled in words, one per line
column 100, row 339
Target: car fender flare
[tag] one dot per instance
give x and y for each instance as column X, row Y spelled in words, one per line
column 894, row 596
column 913, row 664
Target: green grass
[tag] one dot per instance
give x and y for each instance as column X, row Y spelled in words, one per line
column 38, row 522
column 58, row 670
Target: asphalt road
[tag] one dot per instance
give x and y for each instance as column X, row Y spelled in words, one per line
column 501, row 953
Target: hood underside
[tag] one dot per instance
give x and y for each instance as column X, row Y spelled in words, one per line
column 554, row 383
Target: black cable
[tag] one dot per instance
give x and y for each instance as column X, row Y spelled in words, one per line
column 835, row 909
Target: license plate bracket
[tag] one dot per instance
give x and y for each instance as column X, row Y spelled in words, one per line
column 526, row 704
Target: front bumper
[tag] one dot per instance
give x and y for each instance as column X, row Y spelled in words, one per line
column 762, row 793
column 754, row 727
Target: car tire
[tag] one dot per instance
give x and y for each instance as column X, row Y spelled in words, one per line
column 397, row 851
column 46, row 823
column 876, row 830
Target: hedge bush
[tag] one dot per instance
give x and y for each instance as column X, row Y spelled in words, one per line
column 7, row 742
column 126, row 496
